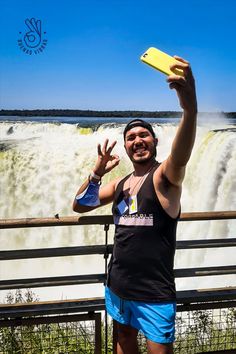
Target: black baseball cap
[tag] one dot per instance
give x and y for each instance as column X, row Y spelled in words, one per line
column 139, row 123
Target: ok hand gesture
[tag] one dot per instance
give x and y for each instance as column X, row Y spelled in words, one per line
column 106, row 161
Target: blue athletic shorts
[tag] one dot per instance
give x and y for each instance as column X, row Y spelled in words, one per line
column 155, row 320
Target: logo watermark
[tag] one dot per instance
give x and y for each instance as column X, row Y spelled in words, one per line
column 32, row 41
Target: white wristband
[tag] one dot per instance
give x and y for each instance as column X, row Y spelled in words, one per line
column 93, row 175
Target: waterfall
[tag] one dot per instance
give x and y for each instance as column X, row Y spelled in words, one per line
column 42, row 165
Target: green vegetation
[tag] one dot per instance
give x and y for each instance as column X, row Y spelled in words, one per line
column 206, row 330
column 107, row 114
column 87, row 113
column 51, row 338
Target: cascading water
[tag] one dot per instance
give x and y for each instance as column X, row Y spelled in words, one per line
column 42, row 165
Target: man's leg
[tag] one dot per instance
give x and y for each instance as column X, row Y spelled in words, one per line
column 158, row 348
column 126, row 339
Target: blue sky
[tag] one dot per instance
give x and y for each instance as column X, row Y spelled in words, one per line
column 91, row 60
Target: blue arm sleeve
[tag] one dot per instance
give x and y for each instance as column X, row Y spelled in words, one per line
column 90, row 196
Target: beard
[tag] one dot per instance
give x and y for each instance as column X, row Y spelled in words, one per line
column 142, row 160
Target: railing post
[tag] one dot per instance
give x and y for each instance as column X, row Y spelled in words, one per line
column 114, row 337
column 98, row 344
column 106, row 255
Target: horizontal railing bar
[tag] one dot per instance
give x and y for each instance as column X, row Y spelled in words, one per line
column 208, row 215
column 212, row 298
column 56, row 221
column 204, row 271
column 91, row 316
column 54, row 252
column 18, row 313
column 102, row 219
column 101, row 249
column 205, row 295
column 206, row 306
column 99, row 278
column 51, row 281
column 210, row 243
column 52, row 307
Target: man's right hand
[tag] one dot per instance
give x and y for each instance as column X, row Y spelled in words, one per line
column 106, row 161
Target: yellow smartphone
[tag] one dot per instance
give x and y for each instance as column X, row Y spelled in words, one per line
column 160, row 61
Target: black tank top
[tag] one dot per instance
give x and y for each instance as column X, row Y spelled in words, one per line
column 141, row 266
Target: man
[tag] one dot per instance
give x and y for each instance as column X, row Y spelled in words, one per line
column 140, row 292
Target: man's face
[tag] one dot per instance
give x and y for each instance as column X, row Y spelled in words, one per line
column 140, row 145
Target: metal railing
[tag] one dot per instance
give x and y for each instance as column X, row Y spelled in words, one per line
column 190, row 300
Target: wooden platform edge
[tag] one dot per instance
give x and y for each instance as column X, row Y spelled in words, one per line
column 184, row 298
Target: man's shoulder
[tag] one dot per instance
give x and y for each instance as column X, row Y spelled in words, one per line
column 160, row 177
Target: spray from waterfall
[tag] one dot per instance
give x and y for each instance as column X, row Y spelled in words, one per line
column 42, row 165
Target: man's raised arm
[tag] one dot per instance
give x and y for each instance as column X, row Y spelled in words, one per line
column 90, row 196
column 174, row 166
